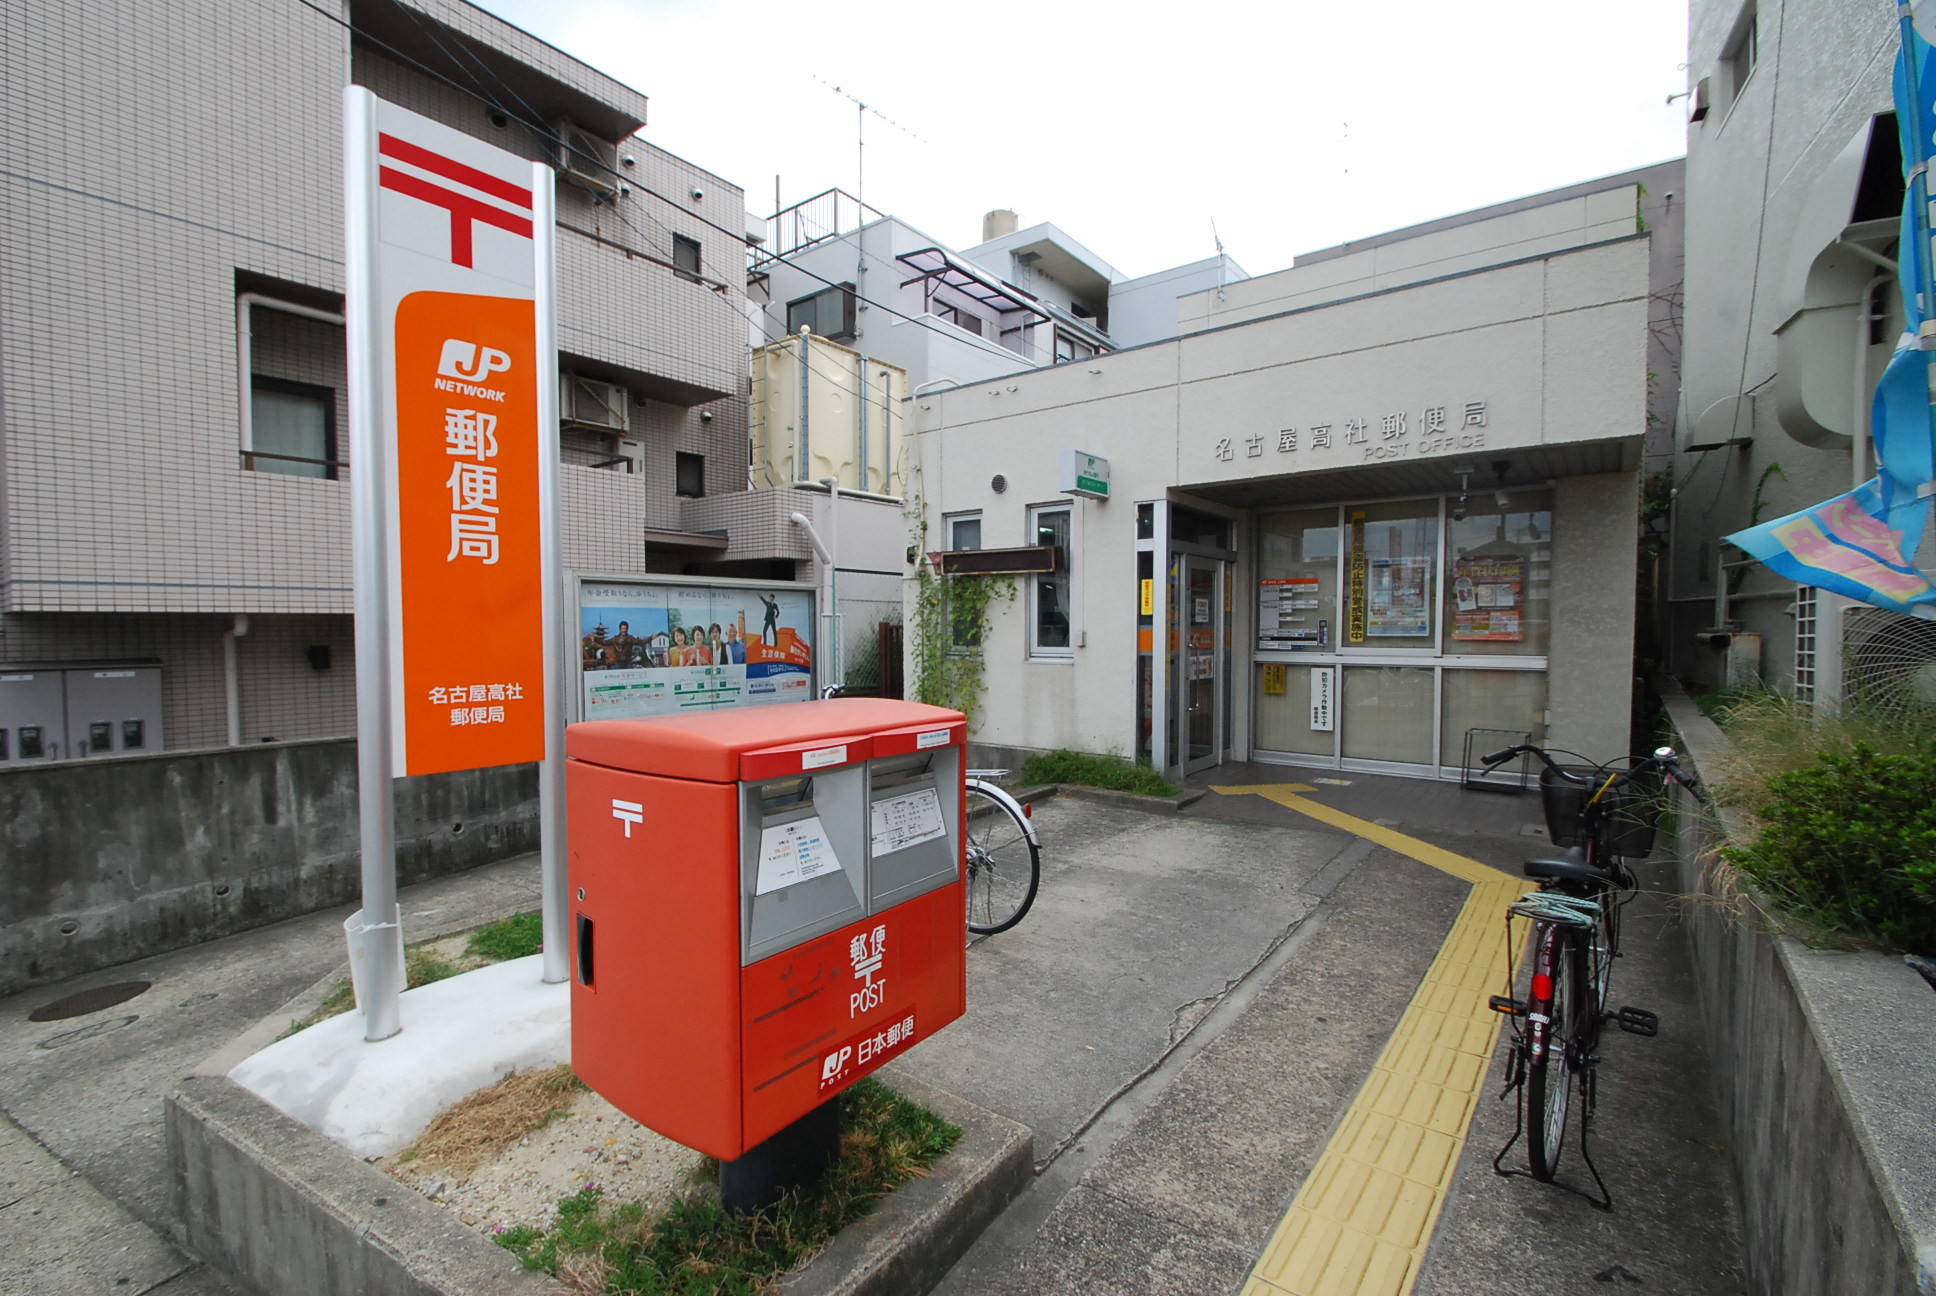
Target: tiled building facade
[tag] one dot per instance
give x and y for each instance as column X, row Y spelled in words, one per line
column 167, row 158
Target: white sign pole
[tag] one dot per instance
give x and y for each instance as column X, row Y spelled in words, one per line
column 374, row 932
column 556, row 900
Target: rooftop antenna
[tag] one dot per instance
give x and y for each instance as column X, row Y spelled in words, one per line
column 861, row 109
column 1218, row 240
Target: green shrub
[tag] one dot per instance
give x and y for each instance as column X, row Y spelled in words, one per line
column 1090, row 770
column 1850, row 844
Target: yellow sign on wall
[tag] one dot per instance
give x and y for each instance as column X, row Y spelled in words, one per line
column 1147, row 603
column 1273, row 677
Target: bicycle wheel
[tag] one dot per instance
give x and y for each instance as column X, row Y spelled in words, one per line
column 1557, row 972
column 1004, row 866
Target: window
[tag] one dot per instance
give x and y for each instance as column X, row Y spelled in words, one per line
column 292, row 427
column 689, row 474
column 1049, row 599
column 1499, row 575
column 1069, row 348
column 965, row 320
column 685, row 257
column 963, row 532
column 1391, row 576
column 1742, row 52
column 829, row 313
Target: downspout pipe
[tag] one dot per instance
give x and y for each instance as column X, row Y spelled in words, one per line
column 1860, row 469
column 232, row 675
column 827, row 565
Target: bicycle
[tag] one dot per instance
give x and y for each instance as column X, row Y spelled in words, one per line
column 1004, row 858
column 1602, row 815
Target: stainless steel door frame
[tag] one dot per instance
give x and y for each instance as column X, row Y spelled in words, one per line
column 1202, row 681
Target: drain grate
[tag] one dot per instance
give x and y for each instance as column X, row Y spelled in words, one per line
column 84, row 1002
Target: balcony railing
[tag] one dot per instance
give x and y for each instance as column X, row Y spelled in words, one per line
column 814, row 220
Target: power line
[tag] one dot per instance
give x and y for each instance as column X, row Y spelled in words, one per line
column 546, row 136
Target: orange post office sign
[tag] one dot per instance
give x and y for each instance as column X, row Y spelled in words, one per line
column 453, row 238
column 468, row 532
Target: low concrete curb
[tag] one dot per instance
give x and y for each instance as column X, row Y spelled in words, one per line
column 287, row 1211
column 1132, row 800
column 914, row 1237
column 284, row 1210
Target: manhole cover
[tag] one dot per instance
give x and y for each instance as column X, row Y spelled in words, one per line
column 83, row 1002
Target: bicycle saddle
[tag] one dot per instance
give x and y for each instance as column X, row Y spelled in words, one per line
column 1570, row 867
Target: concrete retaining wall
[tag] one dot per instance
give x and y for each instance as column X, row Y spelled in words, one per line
column 281, row 1209
column 110, row 860
column 1824, row 1060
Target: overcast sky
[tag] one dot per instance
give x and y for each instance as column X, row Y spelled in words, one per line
column 1292, row 125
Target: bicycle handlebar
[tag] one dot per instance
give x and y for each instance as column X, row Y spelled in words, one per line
column 1665, row 759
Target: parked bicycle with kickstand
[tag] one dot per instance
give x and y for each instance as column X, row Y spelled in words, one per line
column 1603, row 815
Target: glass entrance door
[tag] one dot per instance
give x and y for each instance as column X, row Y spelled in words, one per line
column 1201, row 681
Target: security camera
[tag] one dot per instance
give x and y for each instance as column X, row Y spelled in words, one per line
column 1458, row 511
column 697, row 194
column 705, row 416
column 628, row 160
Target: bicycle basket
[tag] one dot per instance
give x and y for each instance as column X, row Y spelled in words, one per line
column 1630, row 809
column 1563, row 802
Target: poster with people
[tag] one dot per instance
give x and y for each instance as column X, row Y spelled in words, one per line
column 662, row 649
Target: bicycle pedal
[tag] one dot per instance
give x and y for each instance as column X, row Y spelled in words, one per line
column 1637, row 1021
column 1508, row 1005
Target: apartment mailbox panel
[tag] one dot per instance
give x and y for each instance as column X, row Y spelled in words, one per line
column 767, row 906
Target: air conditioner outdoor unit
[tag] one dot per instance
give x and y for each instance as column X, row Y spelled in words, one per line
column 1850, row 654
column 592, row 403
column 586, row 160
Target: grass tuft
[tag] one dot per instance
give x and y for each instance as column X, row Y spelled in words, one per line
column 1089, row 769
column 696, row 1246
column 519, row 936
column 474, row 1130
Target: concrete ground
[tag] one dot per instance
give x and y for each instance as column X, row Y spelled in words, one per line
column 1184, row 1019
column 1168, row 1172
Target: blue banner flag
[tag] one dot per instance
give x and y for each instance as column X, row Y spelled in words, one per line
column 1863, row 544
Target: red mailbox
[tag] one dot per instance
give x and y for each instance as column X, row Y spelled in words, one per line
column 767, row 906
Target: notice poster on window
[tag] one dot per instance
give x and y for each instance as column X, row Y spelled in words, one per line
column 1488, row 597
column 794, row 853
column 1396, row 598
column 1287, row 615
column 661, row 649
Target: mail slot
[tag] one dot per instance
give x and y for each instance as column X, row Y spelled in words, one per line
column 768, row 906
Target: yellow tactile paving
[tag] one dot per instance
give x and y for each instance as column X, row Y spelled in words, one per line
column 1360, row 1224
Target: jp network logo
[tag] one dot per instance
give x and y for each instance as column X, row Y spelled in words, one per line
column 471, row 362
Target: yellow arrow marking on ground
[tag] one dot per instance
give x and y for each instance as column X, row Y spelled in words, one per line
column 1360, row 1224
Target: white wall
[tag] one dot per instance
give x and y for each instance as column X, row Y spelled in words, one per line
column 1824, row 68
column 1556, row 347
column 1534, row 231
column 1146, row 310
